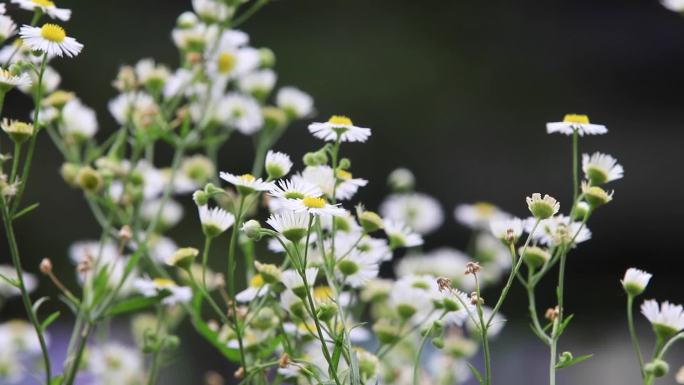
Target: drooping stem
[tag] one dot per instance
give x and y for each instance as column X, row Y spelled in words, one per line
column 632, row 333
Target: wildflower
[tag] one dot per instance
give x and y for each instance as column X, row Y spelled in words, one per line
column 635, row 281
column 478, row 215
column 675, row 6
column 295, row 103
column 292, row 225
column 574, row 123
column 46, row 6
column 7, row 290
column 51, row 39
column 278, row 164
column 339, row 183
column 172, row 293
column 316, row 206
column 183, row 257
column 601, row 168
column 657, row 367
column 294, row 188
column 401, row 180
column 559, row 230
column 667, row 320
column 78, row 121
column 212, row 10
column 168, row 213
column 507, row 230
column 534, row 256
column 257, row 288
column 412, row 297
column 7, row 28
column 356, row 269
column 88, row 179
column 269, row 272
column 8, row 80
column 294, row 282
column 495, row 327
column 292, row 303
column 18, row 131
column 339, row 128
column 595, row 195
column 138, row 107
column 215, row 221
column 419, row 211
column 246, row 183
column 115, row 362
column 241, row 113
column 542, row 208
column 258, row 83
column 401, row 235
column 252, row 229
column 369, row 220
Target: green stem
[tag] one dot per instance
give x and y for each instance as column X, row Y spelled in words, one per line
column 552, row 357
column 248, row 13
column 632, row 333
column 232, row 265
column 205, row 260
column 575, row 166
column 75, row 361
column 15, row 162
column 484, row 333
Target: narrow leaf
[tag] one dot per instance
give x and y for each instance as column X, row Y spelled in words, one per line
column 132, row 304
column 573, row 361
column 26, row 210
column 476, row 373
column 49, row 320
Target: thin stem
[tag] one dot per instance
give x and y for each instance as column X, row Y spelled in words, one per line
column 484, row 333
column 575, row 166
column 205, row 260
column 15, row 162
column 249, row 12
column 632, row 333
column 232, row 265
column 75, row 361
column 552, row 358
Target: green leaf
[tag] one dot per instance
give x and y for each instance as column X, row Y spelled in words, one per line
column 49, row 320
column 573, row 361
column 26, row 210
column 38, row 304
column 57, row 380
column 131, row 304
column 565, row 324
column 476, row 373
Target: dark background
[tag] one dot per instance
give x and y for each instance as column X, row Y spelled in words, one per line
column 459, row 92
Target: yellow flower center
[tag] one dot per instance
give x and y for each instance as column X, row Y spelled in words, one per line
column 257, row 281
column 163, row 282
column 226, row 62
column 53, row 32
column 339, row 119
column 485, row 208
column 344, row 175
column 314, row 202
column 322, row 293
column 576, row 118
column 44, row 3
column 247, row 178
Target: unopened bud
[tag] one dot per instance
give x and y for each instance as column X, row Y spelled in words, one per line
column 46, row 266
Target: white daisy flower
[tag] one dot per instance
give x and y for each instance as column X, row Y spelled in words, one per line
column 294, row 282
column 414, row 296
column 420, row 212
column 673, row 5
column 78, row 120
column 212, row 10
column 19, row 336
column 195, row 38
column 51, row 80
column 7, row 27
column 292, row 225
column 316, row 206
column 3, row 9
column 9, row 81
column 231, row 62
column 635, row 281
column 7, row 290
column 46, row 6
column 246, row 183
column 173, row 294
column 259, row 83
column 51, row 39
column 558, row 230
column 401, row 235
column 601, row 168
column 257, row 288
column 130, row 105
column 171, row 212
column 178, row 82
column 459, row 316
column 295, row 188
column 148, row 71
column 347, row 186
column 373, row 249
column 478, row 215
column 339, row 128
column 667, row 320
column 442, row 262
column 114, row 363
column 240, row 112
column 356, row 269
column 161, row 247
column 295, row 103
column 508, row 230
column 278, row 164
column 576, row 123
column 215, row 221
column 344, row 223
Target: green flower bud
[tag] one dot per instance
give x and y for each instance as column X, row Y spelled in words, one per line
column 326, row 311
column 535, row 256
column 401, row 180
column 345, row 164
column 406, row 311
column 596, row 196
column 252, row 229
column 200, row 197
column 89, row 179
column 347, row 267
column 269, row 272
column 266, row 57
column 18, row 131
column 69, row 172
column 657, row 367
column 438, row 342
column 386, row 332
column 542, row 208
column 183, row 257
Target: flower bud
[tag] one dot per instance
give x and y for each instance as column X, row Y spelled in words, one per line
column 401, row 180
column 438, row 342
column 344, row 164
column 183, row 257
column 252, row 229
column 596, row 196
column 274, row 118
column 542, row 208
column 46, row 266
column 269, row 272
column 535, row 256
column 89, row 179
column 386, row 332
column 69, row 171
column 266, row 57
column 370, row 221
column 326, row 311
column 18, row 131
column 657, row 367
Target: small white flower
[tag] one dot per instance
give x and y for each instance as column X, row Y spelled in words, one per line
column 414, row 297
column 294, row 282
column 478, row 215
column 19, row 336
column 46, row 6
column 495, row 327
column 147, row 70
column 339, row 128
column 51, row 80
column 258, row 82
column 315, row 206
column 173, row 294
column 7, row 27
column 7, row 290
column 292, row 225
column 675, row 6
column 635, row 281
column 295, row 188
column 666, row 318
column 127, row 105
column 347, row 186
column 356, row 269
column 78, row 120
column 401, row 235
column 240, row 112
column 113, row 363
column 212, row 10
column 178, row 83
column 576, row 123
column 246, row 183
column 601, row 168
column 542, row 208
column 9, row 81
column 296, row 103
column 419, row 211
column 171, row 212
column 508, row 230
column 401, row 179
column 216, row 220
column 256, row 289
column 559, row 230
column 278, row 164
column 441, row 262
column 51, row 39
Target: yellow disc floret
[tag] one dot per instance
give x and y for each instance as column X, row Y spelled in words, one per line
column 341, row 120
column 53, row 32
column 314, row 202
column 344, row 174
column 257, row 281
column 163, row 282
column 44, row 3
column 576, row 118
column 249, row 178
column 322, row 293
column 226, row 62
column 485, row 208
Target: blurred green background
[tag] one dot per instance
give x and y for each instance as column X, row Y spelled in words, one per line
column 459, row 92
